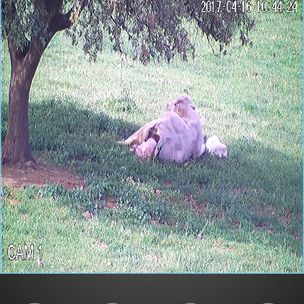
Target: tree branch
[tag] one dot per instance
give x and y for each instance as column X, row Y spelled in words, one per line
column 53, row 6
column 63, row 21
column 58, row 22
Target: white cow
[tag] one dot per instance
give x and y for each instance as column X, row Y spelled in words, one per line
column 176, row 135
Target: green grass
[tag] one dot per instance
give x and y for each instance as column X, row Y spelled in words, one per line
column 248, row 215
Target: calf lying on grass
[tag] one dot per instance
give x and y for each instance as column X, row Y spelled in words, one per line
column 176, row 135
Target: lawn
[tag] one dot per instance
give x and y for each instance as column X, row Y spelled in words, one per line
column 242, row 214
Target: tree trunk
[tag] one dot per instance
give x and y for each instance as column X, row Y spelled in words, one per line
column 16, row 148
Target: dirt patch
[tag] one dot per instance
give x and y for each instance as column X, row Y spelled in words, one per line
column 200, row 208
column 45, row 174
column 110, row 203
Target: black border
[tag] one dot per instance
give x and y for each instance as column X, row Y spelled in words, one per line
column 153, row 288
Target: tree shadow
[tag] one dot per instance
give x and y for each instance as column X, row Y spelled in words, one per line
column 257, row 186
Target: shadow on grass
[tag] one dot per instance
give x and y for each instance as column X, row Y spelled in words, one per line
column 256, row 189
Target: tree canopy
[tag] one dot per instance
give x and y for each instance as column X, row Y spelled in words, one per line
column 153, row 28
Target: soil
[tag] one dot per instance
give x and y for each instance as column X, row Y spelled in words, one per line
column 45, row 174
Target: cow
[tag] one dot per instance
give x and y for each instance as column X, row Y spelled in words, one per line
column 176, row 136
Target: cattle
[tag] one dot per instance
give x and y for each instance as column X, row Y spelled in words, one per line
column 176, row 136
column 215, row 147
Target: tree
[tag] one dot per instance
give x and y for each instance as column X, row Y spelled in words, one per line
column 147, row 28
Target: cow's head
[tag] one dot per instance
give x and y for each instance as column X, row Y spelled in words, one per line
column 182, row 106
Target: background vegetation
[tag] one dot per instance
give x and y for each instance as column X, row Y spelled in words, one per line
column 243, row 214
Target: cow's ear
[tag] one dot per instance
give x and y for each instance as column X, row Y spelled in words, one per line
column 178, row 105
column 179, row 101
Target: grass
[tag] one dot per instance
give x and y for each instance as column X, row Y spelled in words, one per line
column 243, row 214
